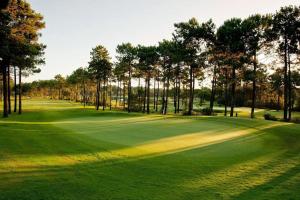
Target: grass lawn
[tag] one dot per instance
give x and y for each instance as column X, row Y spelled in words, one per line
column 58, row 150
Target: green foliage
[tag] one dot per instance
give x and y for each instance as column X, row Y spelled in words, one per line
column 100, row 65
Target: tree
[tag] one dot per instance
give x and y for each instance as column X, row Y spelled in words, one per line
column 276, row 80
column 148, row 58
column 21, row 25
column 195, row 39
column 284, row 33
column 127, row 58
column 60, row 82
column 167, row 52
column 79, row 78
column 231, row 46
column 254, row 28
column 100, row 68
column 4, row 53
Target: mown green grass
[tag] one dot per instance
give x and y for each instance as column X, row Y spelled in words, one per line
column 58, row 150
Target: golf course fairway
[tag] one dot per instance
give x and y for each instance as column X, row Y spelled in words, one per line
column 59, row 150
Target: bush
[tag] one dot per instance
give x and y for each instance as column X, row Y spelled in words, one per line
column 268, row 116
column 206, row 111
column 296, row 120
column 186, row 113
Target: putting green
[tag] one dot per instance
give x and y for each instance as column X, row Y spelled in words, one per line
column 58, row 150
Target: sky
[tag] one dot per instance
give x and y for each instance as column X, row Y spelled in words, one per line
column 74, row 27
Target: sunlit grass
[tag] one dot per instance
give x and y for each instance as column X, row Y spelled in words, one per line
column 59, row 150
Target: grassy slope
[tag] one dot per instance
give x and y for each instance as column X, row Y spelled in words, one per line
column 60, row 151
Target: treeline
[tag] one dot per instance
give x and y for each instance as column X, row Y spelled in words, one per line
column 250, row 62
column 20, row 51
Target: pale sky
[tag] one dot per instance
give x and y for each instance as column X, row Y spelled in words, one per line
column 74, row 27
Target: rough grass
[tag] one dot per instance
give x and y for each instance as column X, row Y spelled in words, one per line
column 58, row 150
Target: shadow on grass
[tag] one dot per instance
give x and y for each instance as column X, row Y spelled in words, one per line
column 238, row 168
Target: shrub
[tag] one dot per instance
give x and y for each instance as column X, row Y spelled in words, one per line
column 206, row 111
column 296, row 120
column 186, row 113
column 268, row 116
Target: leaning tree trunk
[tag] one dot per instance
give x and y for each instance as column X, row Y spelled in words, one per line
column 20, row 91
column 15, row 89
column 233, row 92
column 4, row 77
column 253, row 87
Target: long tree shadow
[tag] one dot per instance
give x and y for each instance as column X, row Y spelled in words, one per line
column 151, row 177
column 283, row 186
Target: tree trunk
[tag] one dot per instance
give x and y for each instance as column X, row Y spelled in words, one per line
column 233, row 92
column 278, row 101
column 139, row 94
column 175, row 95
column 226, row 93
column 117, row 97
column 178, row 97
column 290, row 104
column 254, row 87
column 148, row 94
column 167, row 92
column 110, row 94
column 190, row 110
column 104, row 95
column 145, row 96
column 129, row 91
column 285, row 107
column 163, row 98
column 20, row 91
column 84, row 94
column 124, row 88
column 15, row 89
column 8, row 90
column 157, row 96
column 4, row 77
column 213, row 90
column 154, row 94
column 98, row 95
